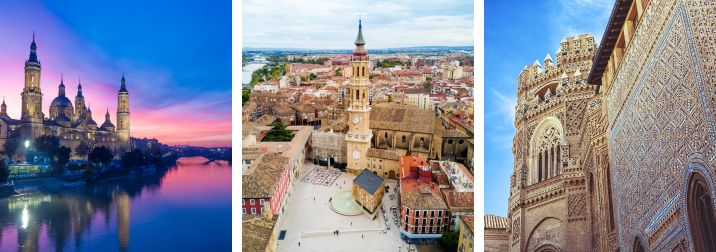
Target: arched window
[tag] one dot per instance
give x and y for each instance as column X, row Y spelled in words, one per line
column 638, row 246
column 403, row 139
column 701, row 214
column 385, row 135
column 545, row 155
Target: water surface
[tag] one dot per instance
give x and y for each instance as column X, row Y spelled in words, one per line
column 185, row 208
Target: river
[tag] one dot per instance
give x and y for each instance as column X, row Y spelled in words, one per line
column 247, row 70
column 184, row 208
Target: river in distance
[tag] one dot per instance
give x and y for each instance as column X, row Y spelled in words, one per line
column 184, row 208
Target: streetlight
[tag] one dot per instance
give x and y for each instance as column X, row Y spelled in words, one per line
column 27, row 144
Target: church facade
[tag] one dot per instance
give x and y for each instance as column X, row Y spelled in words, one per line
column 71, row 123
column 621, row 159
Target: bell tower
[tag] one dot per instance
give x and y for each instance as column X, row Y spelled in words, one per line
column 123, row 113
column 31, row 116
column 359, row 134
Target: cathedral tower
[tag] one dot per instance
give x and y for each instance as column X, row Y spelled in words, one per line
column 359, row 134
column 32, row 95
column 79, row 102
column 123, row 113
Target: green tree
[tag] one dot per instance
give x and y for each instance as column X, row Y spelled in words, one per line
column 4, row 171
column 279, row 133
column 448, row 241
column 314, row 76
column 133, row 158
column 50, row 146
column 339, row 71
column 10, row 149
column 100, row 155
column 245, row 93
column 83, row 150
column 47, row 144
column 61, row 158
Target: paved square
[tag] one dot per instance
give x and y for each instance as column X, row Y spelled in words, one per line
column 312, row 222
column 322, row 176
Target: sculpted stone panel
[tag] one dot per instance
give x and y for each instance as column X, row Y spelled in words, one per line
column 665, row 119
column 549, row 232
column 576, row 205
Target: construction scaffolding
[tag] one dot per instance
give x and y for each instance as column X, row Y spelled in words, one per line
column 328, row 148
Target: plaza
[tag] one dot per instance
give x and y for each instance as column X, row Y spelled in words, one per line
column 313, row 222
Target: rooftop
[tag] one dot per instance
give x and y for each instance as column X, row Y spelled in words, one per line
column 256, row 231
column 384, row 154
column 469, row 221
column 495, row 222
column 417, row 195
column 261, row 180
column 368, row 181
column 393, row 116
column 459, row 201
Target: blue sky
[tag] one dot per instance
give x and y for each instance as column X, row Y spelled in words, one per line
column 324, row 24
column 516, row 34
column 176, row 56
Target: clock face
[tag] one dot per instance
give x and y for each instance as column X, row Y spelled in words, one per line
column 356, row 154
column 356, row 120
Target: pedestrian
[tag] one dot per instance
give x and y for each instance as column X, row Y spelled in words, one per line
column 351, row 223
column 361, row 236
column 299, row 244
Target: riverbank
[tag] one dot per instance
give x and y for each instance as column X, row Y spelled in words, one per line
column 57, row 184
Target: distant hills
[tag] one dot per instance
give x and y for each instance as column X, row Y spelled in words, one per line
column 414, row 49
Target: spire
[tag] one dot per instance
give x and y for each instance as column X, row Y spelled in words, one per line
column 360, row 53
column 79, row 89
column 3, row 108
column 106, row 116
column 61, row 89
column 359, row 39
column 123, row 88
column 33, row 50
column 546, row 58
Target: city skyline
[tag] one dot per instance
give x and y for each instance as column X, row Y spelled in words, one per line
column 288, row 24
column 153, row 54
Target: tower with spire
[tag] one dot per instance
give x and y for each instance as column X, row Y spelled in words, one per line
column 359, row 134
column 31, row 116
column 123, row 112
column 3, row 109
column 79, row 102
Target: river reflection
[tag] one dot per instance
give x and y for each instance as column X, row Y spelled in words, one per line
column 184, row 208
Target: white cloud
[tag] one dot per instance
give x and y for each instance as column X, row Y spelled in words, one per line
column 573, row 17
column 333, row 24
column 506, row 107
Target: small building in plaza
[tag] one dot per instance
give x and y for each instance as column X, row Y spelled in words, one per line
column 368, row 190
column 466, row 238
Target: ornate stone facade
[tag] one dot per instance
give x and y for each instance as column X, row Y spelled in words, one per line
column 635, row 151
column 548, row 204
column 72, row 125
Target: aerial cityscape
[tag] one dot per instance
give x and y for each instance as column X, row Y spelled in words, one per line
column 358, row 149
column 612, row 133
column 72, row 182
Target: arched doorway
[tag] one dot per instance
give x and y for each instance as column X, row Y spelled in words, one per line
column 701, row 214
column 391, row 174
column 547, row 248
column 638, row 246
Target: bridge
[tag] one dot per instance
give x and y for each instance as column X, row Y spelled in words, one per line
column 212, row 154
